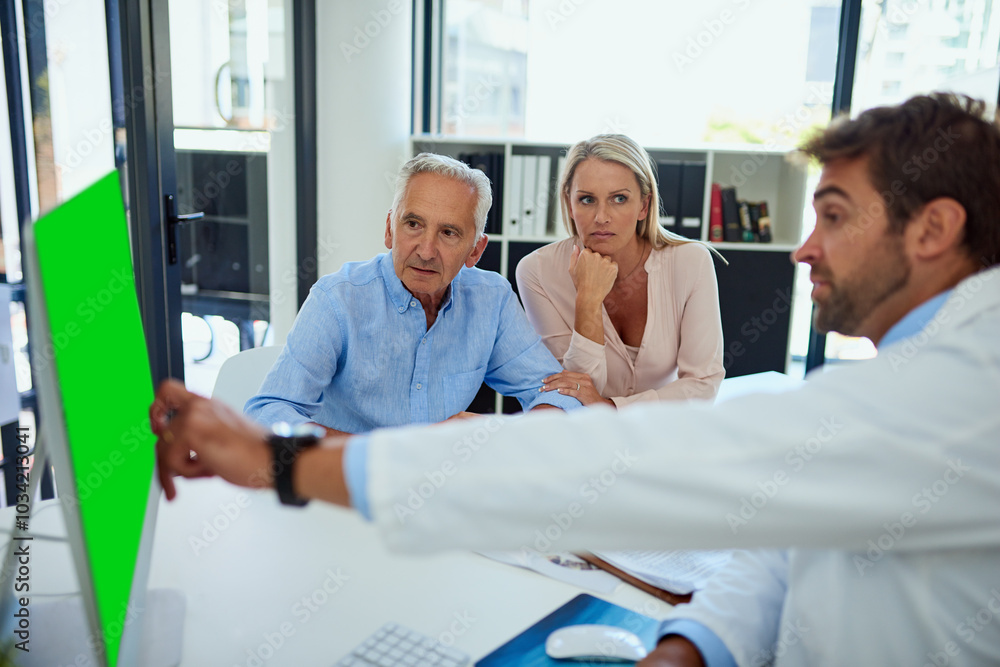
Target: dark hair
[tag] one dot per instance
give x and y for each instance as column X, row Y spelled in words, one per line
column 930, row 146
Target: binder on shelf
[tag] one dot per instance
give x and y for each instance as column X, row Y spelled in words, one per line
column 668, row 173
column 490, row 164
column 715, row 215
column 529, row 189
column 542, row 196
column 513, row 227
column 494, row 220
column 692, row 199
column 732, row 232
column 558, row 228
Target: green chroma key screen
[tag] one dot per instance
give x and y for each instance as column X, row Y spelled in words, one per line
column 105, row 383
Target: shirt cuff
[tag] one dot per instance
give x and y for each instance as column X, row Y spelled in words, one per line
column 713, row 651
column 356, row 474
column 553, row 397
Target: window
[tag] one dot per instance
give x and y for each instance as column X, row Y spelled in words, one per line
column 910, row 47
column 894, row 59
column 717, row 72
column 666, row 73
column 891, row 87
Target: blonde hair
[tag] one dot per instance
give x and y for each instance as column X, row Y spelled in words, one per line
column 624, row 151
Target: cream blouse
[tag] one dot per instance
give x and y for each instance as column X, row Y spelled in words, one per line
column 680, row 356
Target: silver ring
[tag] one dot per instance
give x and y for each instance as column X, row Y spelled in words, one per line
column 578, row 386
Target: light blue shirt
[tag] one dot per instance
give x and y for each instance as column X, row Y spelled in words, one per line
column 360, row 355
column 713, row 650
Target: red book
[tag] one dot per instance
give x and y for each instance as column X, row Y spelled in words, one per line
column 715, row 215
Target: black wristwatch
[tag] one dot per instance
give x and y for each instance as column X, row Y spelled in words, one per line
column 286, row 442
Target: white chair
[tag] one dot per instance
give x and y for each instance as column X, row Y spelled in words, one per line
column 241, row 375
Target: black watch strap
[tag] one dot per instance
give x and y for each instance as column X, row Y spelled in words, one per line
column 286, row 442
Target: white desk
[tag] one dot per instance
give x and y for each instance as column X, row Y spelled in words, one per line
column 251, row 579
column 247, row 581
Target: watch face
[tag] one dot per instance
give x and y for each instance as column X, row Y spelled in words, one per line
column 304, row 430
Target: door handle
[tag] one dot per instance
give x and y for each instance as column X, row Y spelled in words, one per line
column 173, row 222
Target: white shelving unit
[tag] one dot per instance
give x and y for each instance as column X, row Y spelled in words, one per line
column 758, row 173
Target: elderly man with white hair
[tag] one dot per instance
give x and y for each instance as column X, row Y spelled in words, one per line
column 410, row 336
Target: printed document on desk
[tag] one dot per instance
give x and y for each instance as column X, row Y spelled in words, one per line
column 679, row 572
column 565, row 567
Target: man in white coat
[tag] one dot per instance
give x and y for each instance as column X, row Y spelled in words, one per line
column 869, row 499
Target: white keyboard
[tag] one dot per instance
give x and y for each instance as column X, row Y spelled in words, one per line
column 393, row 645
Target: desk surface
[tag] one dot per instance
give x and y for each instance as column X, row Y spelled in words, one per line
column 316, row 581
column 322, row 575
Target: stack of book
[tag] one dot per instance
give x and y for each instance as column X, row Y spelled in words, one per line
column 734, row 220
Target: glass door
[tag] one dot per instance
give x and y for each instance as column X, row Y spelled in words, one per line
column 232, row 134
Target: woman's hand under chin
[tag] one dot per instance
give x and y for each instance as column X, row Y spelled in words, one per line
column 593, row 274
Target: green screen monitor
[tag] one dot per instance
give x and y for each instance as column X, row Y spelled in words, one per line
column 94, row 389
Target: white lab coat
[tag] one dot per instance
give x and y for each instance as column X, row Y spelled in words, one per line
column 882, row 479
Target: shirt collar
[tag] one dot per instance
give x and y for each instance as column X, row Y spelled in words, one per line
column 398, row 294
column 915, row 321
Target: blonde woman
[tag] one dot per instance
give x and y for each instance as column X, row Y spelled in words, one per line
column 630, row 311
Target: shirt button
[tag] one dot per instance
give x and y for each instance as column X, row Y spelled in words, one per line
column 423, row 341
column 420, row 386
column 402, row 308
column 413, row 304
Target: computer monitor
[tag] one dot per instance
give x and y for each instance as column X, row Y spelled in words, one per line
column 94, row 387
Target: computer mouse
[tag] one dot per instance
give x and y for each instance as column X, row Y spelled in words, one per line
column 590, row 642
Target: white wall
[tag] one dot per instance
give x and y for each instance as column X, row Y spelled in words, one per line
column 363, row 108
